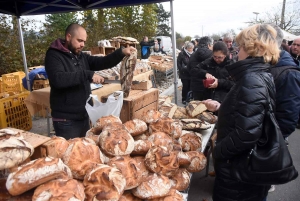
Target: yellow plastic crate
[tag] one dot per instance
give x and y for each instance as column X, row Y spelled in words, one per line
column 12, row 82
column 14, row 113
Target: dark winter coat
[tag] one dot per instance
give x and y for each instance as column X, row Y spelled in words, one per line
column 240, row 125
column 145, row 48
column 70, row 77
column 296, row 58
column 182, row 62
column 197, row 57
column 286, row 75
column 218, row 71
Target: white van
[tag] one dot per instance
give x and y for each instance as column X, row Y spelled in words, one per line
column 165, row 43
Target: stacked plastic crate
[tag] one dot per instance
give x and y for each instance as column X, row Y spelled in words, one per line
column 13, row 111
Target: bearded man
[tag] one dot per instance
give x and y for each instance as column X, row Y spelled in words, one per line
column 70, row 73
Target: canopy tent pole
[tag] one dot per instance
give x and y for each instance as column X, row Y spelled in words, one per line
column 23, row 54
column 174, row 52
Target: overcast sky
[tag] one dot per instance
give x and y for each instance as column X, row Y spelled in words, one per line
column 197, row 17
column 216, row 16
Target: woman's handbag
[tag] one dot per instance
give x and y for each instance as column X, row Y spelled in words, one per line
column 269, row 162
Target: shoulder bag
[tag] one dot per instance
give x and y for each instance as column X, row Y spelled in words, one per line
column 269, row 162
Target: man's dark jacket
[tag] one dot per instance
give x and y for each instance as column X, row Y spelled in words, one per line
column 196, row 58
column 240, row 125
column 220, row 72
column 286, row 75
column 70, row 77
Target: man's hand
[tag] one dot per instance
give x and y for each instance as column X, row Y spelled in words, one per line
column 209, row 76
column 127, row 51
column 97, row 79
column 211, row 105
column 214, row 85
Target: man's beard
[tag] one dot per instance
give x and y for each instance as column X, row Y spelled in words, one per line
column 73, row 49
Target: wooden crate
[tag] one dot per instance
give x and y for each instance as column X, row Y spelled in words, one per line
column 137, row 102
column 40, row 84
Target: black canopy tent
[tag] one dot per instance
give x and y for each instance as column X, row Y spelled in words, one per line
column 36, row 7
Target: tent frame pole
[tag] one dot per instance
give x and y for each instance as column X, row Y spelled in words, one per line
column 174, row 52
column 23, row 53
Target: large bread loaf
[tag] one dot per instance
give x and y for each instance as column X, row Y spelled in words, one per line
column 35, row 173
column 60, row 189
column 136, row 127
column 154, row 186
column 151, row 116
column 103, row 121
column 60, row 146
column 167, row 125
column 161, row 160
column 82, row 155
column 116, row 142
column 194, row 108
column 104, row 183
column 128, row 168
column 181, row 180
column 13, row 150
column 198, row 161
column 189, row 141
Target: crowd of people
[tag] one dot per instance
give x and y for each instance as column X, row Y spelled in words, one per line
column 242, row 79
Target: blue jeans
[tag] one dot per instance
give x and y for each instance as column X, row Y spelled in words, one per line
column 71, row 128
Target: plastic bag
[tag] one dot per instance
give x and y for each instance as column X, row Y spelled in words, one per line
column 112, row 106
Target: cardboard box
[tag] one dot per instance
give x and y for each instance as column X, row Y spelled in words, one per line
column 137, row 103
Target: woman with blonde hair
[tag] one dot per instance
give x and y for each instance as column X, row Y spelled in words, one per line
column 241, row 114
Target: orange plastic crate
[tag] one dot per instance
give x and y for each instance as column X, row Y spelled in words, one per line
column 14, row 113
column 12, row 82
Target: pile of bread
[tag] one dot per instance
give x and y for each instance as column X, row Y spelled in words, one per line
column 160, row 62
column 194, row 116
column 142, row 159
column 124, row 40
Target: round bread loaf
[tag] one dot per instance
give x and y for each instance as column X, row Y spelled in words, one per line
column 173, row 195
column 168, row 126
column 161, row 139
column 143, row 136
column 35, row 173
column 189, row 141
column 129, row 170
column 114, row 126
column 141, row 167
column 104, row 183
column 208, row 117
column 6, row 132
column 116, row 142
column 60, row 146
column 13, row 150
column 176, row 145
column 181, row 180
column 60, row 189
column 161, row 160
column 154, row 186
column 103, row 121
column 81, row 156
column 94, row 134
column 151, row 116
column 183, row 159
column 128, row 196
column 198, row 161
column 141, row 147
column 136, row 127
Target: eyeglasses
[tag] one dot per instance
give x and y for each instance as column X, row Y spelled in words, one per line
column 218, row 57
column 295, row 44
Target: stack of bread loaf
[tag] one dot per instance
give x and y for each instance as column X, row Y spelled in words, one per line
column 142, row 159
column 160, row 62
column 194, row 116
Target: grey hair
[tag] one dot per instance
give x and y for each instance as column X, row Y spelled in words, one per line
column 279, row 37
column 188, row 45
column 228, row 36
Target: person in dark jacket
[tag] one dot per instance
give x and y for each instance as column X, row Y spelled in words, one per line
column 295, row 51
column 70, row 73
column 214, row 68
column 182, row 62
column 241, row 114
column 228, row 40
column 286, row 75
column 157, row 47
column 145, row 47
column 203, row 52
